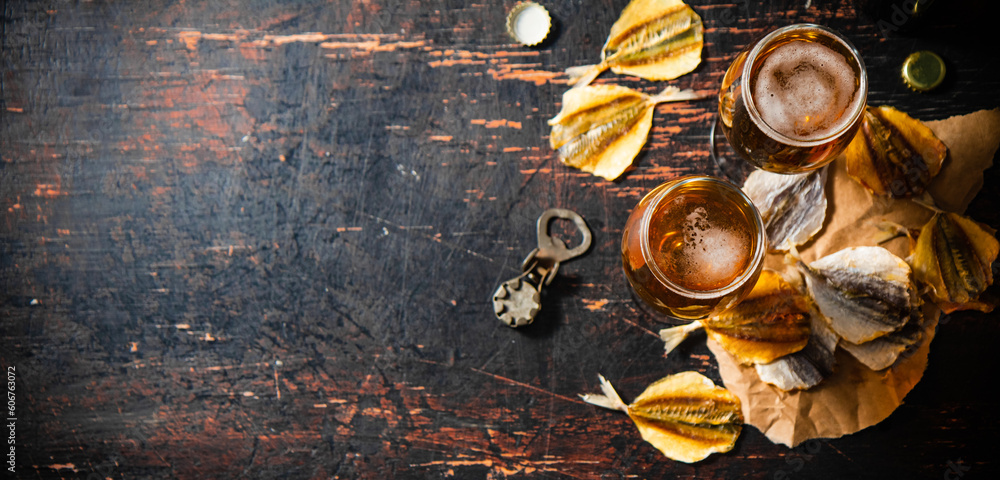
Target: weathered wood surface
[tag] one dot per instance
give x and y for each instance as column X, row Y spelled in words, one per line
column 259, row 239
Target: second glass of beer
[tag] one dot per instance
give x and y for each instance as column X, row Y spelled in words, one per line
column 792, row 102
column 693, row 247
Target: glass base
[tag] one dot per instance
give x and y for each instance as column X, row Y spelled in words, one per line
column 729, row 164
column 661, row 318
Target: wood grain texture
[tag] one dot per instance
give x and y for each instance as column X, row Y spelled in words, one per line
column 258, row 240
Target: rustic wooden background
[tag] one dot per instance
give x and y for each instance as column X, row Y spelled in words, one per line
column 259, row 239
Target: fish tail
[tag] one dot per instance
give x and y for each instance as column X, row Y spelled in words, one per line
column 674, row 94
column 609, row 399
column 927, row 201
column 888, row 230
column 582, row 75
column 672, row 337
column 792, row 257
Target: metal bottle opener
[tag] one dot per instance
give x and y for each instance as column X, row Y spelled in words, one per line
column 518, row 300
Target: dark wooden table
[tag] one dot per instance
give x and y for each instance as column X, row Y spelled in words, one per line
column 259, row 240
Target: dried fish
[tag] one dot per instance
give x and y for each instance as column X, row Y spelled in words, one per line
column 793, row 206
column 601, row 128
column 653, row 39
column 888, row 230
column 953, row 255
column 807, row 367
column 771, row 322
column 685, row 415
column 863, row 292
column 674, row 336
column 894, row 154
column 882, row 352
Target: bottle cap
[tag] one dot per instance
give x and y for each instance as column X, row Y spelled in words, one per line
column 528, row 23
column 923, row 71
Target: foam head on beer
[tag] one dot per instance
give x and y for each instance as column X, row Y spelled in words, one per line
column 700, row 250
column 710, row 256
column 805, row 90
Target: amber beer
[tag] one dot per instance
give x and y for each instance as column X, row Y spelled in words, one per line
column 693, row 247
column 795, row 99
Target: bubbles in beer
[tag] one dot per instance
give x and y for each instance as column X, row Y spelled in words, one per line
column 805, row 90
column 693, row 246
column 704, row 255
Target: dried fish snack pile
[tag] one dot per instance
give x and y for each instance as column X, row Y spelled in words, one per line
column 685, row 416
column 776, row 329
column 894, row 154
column 601, row 128
column 867, row 296
column 652, row 39
column 865, row 382
column 860, row 298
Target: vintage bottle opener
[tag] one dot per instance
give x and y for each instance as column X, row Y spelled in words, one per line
column 518, row 300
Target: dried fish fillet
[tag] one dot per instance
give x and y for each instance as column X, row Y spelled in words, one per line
column 793, row 206
column 807, row 367
column 882, row 352
column 653, row 39
column 601, row 128
column 684, row 415
column 953, row 255
column 863, row 292
column 894, row 154
column 771, row 322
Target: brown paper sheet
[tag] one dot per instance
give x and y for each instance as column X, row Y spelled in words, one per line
column 854, row 397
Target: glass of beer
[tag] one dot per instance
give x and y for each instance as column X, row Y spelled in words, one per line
column 791, row 102
column 693, row 247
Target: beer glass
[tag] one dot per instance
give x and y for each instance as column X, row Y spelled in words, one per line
column 693, row 247
column 791, row 102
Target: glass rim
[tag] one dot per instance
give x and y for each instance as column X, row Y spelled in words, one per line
column 757, row 259
column 748, row 91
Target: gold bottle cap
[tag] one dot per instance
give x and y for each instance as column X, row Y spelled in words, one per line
column 528, row 23
column 923, row 71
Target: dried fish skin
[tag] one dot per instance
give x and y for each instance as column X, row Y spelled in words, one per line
column 883, row 352
column 652, row 39
column 793, row 206
column 862, row 292
column 601, row 128
column 685, row 416
column 894, row 154
column 771, row 322
column 655, row 40
column 953, row 255
column 593, row 107
column 806, row 368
